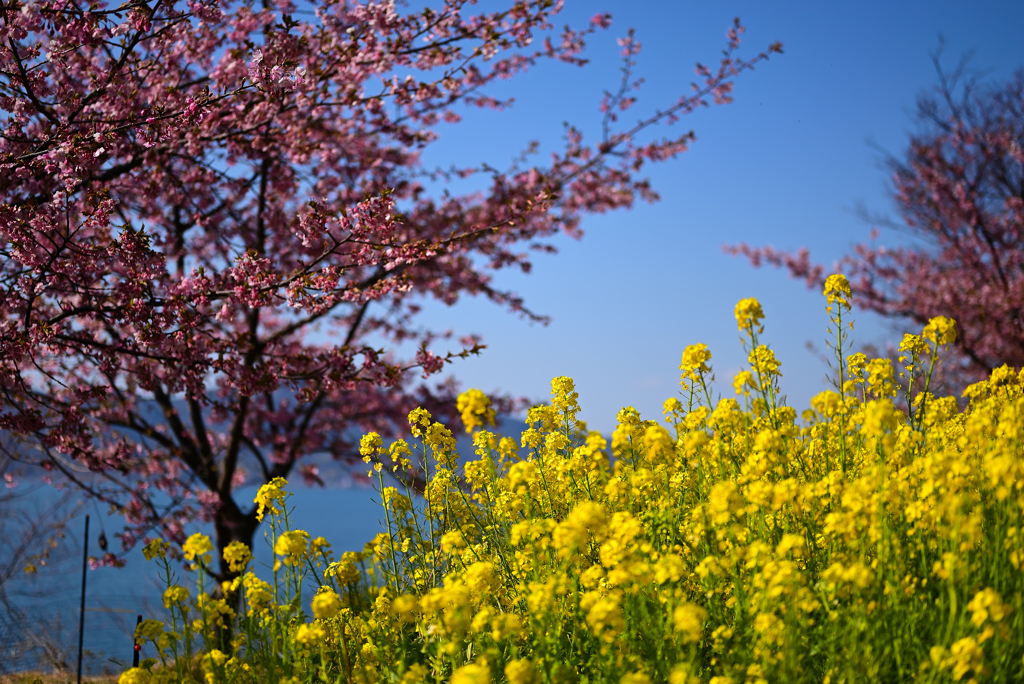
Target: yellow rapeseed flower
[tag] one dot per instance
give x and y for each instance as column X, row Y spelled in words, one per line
column 475, row 409
column 724, row 501
column 828, row 403
column 416, row 673
column 148, row 630
column 213, row 665
column 681, row 674
column 135, row 675
column 326, row 604
column 749, row 315
column 216, row 611
column 521, row 671
column 508, row 448
column 694, row 363
column 404, row 607
column 237, row 555
column 345, row 570
column 292, row 545
column 370, row 445
column 689, row 619
column 658, row 444
column 986, row 605
column 309, row 634
column 586, row 519
column 744, row 382
column 198, row 546
column 965, row 655
column 880, row 417
column 473, row 673
column 914, row 344
column 400, row 453
column 855, row 364
column 635, row 678
column 837, row 290
column 481, row 578
column 419, row 418
column 320, row 545
column 155, row 548
column 762, row 359
column 269, row 496
column 175, row 595
column 257, row 592
column 564, row 397
column 881, row 379
column 940, row 330
column 672, row 407
column 604, row 615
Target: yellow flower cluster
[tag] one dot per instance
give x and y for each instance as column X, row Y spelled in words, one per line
column 198, row 547
column 309, row 634
column 837, row 290
column 218, row 666
column 148, row 630
column 155, row 548
column 271, row 497
column 175, row 594
column 940, row 330
column 326, row 604
column 694, row 363
column 879, row 538
column 475, row 409
column 749, row 315
column 237, row 556
column 370, row 446
column 293, row 545
column 258, row 593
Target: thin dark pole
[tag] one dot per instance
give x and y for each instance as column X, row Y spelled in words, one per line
column 135, row 644
column 81, row 612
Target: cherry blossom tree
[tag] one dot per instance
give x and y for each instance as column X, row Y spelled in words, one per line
column 960, row 192
column 217, row 235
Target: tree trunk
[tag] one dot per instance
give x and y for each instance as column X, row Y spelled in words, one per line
column 230, row 525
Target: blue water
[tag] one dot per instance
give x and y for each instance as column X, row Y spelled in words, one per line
column 347, row 518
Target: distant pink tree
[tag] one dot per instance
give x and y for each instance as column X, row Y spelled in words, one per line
column 192, row 189
column 960, row 191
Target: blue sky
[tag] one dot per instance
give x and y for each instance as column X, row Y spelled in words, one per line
column 786, row 164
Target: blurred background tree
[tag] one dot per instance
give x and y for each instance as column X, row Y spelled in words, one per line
column 959, row 192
